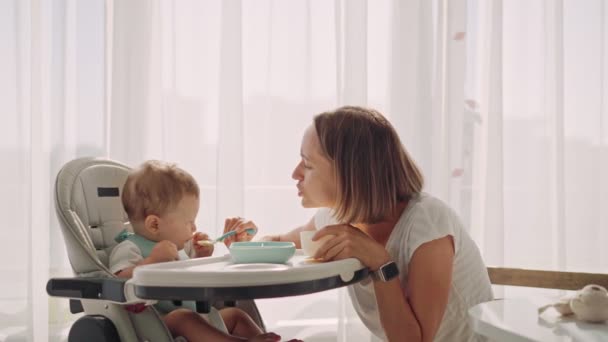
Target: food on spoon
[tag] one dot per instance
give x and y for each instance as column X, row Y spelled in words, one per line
column 204, row 242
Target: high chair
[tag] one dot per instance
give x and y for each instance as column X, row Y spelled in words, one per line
column 90, row 213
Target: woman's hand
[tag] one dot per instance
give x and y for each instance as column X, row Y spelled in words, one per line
column 351, row 242
column 239, row 224
column 271, row 238
column 201, row 251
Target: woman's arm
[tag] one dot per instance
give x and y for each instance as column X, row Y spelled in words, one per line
column 424, row 302
column 396, row 315
column 416, row 314
column 292, row 235
column 406, row 315
column 430, row 282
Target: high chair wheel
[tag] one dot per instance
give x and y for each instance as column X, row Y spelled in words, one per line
column 93, row 328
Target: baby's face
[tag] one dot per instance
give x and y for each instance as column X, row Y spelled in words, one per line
column 178, row 225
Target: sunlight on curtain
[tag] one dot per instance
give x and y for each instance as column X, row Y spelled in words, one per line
column 227, row 96
column 536, row 94
column 493, row 141
column 226, row 88
column 51, row 99
column 502, row 103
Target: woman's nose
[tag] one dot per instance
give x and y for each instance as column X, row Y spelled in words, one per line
column 296, row 174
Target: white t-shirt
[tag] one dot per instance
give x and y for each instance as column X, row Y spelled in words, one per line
column 426, row 219
column 126, row 254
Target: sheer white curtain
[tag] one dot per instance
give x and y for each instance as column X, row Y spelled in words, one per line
column 226, row 88
column 536, row 91
column 51, row 110
column 501, row 102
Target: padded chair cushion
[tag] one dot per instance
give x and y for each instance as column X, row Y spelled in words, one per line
column 90, row 210
column 96, row 200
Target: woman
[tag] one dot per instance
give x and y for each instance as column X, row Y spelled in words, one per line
column 426, row 270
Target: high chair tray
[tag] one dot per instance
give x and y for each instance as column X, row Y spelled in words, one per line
column 218, row 278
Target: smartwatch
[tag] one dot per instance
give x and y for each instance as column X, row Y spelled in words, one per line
column 386, row 272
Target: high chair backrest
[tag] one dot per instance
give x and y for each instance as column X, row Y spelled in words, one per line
column 90, row 211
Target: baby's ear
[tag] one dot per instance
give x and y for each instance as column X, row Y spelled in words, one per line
column 151, row 223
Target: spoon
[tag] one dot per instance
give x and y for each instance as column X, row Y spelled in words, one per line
column 249, row 231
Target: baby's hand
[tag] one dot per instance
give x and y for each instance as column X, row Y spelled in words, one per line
column 204, row 250
column 163, row 251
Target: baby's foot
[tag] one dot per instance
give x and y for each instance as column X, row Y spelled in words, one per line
column 267, row 337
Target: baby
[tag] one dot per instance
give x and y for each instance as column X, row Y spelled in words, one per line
column 162, row 201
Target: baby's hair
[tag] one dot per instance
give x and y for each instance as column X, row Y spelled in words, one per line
column 154, row 188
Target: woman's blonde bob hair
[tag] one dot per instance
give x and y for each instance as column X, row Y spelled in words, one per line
column 155, row 188
column 373, row 170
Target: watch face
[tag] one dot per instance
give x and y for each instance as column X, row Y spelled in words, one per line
column 389, row 271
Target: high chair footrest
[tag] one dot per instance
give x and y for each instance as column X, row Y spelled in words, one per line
column 88, row 288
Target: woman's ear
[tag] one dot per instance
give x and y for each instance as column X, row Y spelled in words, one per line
column 151, row 224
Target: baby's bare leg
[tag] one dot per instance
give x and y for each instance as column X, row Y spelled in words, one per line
column 239, row 323
column 195, row 328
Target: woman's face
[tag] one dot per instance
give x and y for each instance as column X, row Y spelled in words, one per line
column 315, row 174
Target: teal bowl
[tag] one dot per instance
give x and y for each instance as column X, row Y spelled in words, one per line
column 265, row 252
